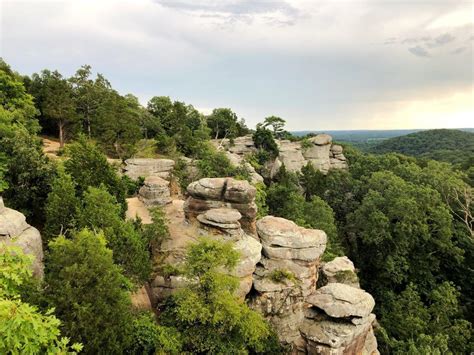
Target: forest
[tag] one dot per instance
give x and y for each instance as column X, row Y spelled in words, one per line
column 402, row 213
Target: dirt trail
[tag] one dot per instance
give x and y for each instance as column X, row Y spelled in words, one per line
column 50, row 147
column 136, row 208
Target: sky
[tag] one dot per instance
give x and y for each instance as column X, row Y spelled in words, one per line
column 320, row 65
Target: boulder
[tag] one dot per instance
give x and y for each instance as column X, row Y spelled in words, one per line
column 155, row 191
column 280, row 232
column 340, row 270
column 207, row 188
column 144, row 167
column 15, row 231
column 339, row 301
column 239, row 191
column 321, row 139
column 336, row 149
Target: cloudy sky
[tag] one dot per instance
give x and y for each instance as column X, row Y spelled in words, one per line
column 320, row 65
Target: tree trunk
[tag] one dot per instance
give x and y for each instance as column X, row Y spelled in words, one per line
column 61, row 134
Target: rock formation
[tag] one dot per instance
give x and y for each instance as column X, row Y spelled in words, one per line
column 143, row 167
column 278, row 270
column 317, row 150
column 155, row 191
column 211, row 193
column 15, row 231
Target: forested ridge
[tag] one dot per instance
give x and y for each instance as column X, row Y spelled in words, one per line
column 405, row 221
column 449, row 145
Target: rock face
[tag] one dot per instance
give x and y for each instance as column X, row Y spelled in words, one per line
column 142, row 167
column 211, row 193
column 333, row 319
column 15, row 231
column 317, row 150
column 155, row 191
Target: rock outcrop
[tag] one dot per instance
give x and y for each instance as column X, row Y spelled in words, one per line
column 317, row 150
column 211, row 193
column 333, row 319
column 144, row 167
column 155, row 191
column 15, row 231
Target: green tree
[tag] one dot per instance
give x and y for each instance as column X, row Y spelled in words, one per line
column 61, row 206
column 100, row 211
column 57, row 102
column 264, row 141
column 223, row 123
column 89, row 95
column 208, row 316
column 88, row 292
column 88, row 166
column 23, row 329
column 277, row 124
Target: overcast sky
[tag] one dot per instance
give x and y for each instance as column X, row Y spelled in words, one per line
column 320, row 65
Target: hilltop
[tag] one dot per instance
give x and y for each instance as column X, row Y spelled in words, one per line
column 450, row 145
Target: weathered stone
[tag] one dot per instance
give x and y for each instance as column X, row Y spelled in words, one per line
column 335, row 335
column 305, row 254
column 276, row 231
column 336, row 149
column 15, row 231
column 340, row 270
column 155, row 191
column 222, row 215
column 144, row 167
column 321, row 139
column 207, row 188
column 250, row 251
column 339, row 300
column 291, row 155
column 239, row 191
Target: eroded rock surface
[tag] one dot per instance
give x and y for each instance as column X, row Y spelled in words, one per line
column 144, row 167
column 155, row 191
column 14, row 230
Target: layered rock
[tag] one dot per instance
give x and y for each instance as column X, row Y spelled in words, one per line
column 317, row 150
column 341, row 270
column 155, row 191
column 338, row 320
column 333, row 319
column 143, row 167
column 212, row 193
column 286, row 274
column 15, row 231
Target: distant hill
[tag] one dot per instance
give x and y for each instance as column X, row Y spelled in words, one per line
column 451, row 145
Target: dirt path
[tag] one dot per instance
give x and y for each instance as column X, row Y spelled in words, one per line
column 136, row 208
column 50, row 147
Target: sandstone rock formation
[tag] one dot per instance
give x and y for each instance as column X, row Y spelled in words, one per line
column 333, row 319
column 317, row 150
column 143, row 167
column 15, row 231
column 212, row 193
column 155, row 191
column 341, row 270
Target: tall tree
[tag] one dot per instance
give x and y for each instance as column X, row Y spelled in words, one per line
column 89, row 94
column 277, row 124
column 57, row 102
column 88, row 292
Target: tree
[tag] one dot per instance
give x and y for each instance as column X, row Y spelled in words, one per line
column 61, row 206
column 401, row 233
column 223, row 123
column 88, row 292
column 88, row 95
column 23, row 328
column 264, row 141
column 100, row 211
column 160, row 107
column 57, row 102
column 277, row 125
column 209, row 318
column 88, row 166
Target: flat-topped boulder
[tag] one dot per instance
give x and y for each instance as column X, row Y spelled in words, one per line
column 280, row 232
column 145, row 167
column 207, row 188
column 321, row 139
column 340, row 301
